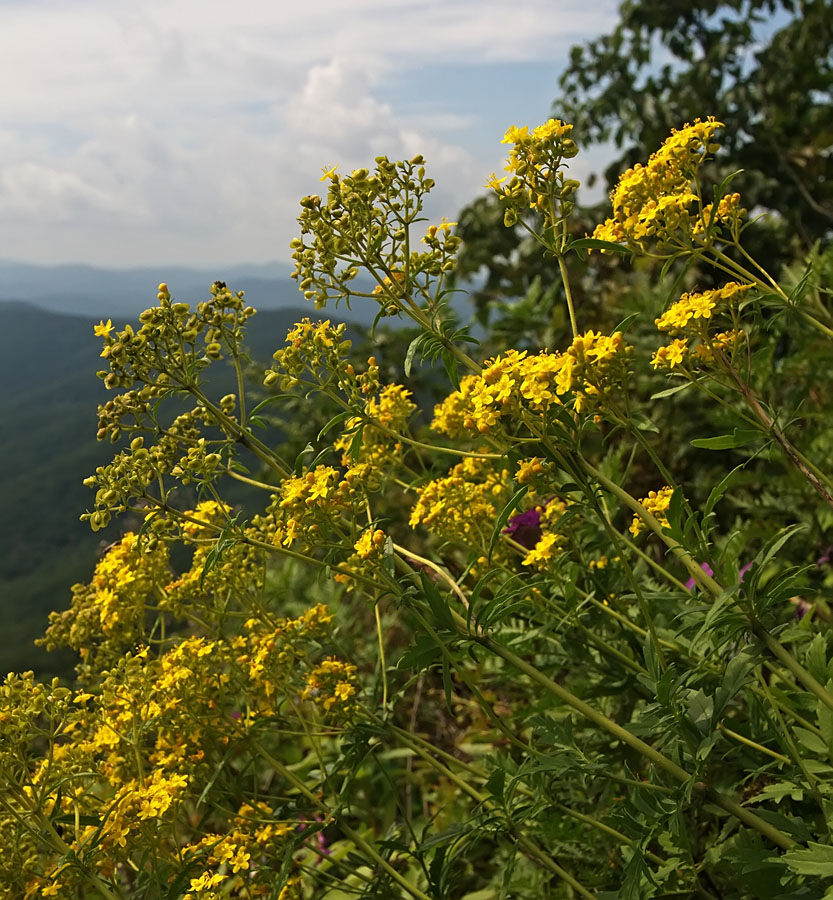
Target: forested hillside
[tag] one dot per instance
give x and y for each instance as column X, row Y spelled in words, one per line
column 48, row 406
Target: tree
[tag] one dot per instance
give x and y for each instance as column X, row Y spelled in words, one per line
column 764, row 67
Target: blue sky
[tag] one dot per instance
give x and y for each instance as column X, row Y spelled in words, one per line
column 150, row 132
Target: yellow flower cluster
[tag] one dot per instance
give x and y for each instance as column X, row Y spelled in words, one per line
column 370, row 543
column 694, row 306
column 657, row 200
column 656, row 503
column 552, row 541
column 544, row 550
column 109, row 613
column 534, row 163
column 390, row 410
column 304, row 504
column 137, row 801
column 128, row 759
column 267, row 655
column 729, row 210
column 369, row 550
column 515, row 382
column 332, row 685
column 252, row 837
column 529, row 470
column 464, row 505
column 311, row 346
column 238, row 566
column 678, row 353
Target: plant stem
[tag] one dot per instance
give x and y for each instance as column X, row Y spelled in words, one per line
column 354, row 836
column 588, row 712
column 565, row 278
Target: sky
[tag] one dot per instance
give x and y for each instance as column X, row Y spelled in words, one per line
column 185, row 131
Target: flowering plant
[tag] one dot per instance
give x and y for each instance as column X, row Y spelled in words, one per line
column 450, row 655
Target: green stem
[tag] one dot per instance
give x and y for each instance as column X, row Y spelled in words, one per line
column 354, row 836
column 588, row 712
column 784, row 656
column 753, row 744
column 485, row 799
column 565, row 278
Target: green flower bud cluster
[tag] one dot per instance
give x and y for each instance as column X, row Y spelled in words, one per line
column 199, row 464
column 133, row 470
column 536, row 163
column 133, row 404
column 166, row 343
column 318, row 348
column 364, row 222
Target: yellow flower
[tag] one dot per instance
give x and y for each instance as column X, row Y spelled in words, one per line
column 103, row 328
column 670, row 356
column 656, row 503
column 494, row 182
column 329, row 173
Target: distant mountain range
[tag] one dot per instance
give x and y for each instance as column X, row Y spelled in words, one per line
column 123, row 293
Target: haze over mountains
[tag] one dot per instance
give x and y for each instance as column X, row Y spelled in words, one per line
column 117, row 294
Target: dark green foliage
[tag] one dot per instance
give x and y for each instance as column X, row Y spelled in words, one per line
column 47, row 447
column 764, row 67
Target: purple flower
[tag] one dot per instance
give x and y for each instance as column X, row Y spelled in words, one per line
column 690, row 584
column 525, row 528
column 826, row 556
column 802, row 607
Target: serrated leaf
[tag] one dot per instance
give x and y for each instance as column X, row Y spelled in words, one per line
column 422, row 655
column 815, row 859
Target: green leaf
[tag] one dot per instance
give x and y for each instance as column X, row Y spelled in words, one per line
column 495, row 784
column 597, row 244
column 409, row 356
column 737, row 674
column 447, row 682
column 767, row 553
column 719, row 490
column 740, row 437
column 643, row 423
column 816, row 658
column 334, row 421
column 626, row 323
column 700, row 710
column 451, row 368
column 503, row 518
column 422, row 655
column 669, row 392
column 438, row 603
column 811, row 741
column 816, row 859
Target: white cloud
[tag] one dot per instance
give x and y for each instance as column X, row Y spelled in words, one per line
column 186, row 131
